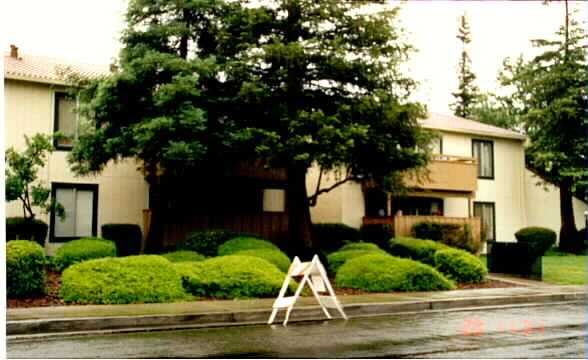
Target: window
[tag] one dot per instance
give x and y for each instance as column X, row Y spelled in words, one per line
column 81, row 204
column 66, row 121
column 434, row 147
column 483, row 151
column 274, row 200
column 485, row 211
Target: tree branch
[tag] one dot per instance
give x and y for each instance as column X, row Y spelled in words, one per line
column 312, row 200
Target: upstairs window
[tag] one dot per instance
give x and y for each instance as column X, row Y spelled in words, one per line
column 66, row 121
column 483, row 151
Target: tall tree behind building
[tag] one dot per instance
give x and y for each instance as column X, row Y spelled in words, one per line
column 467, row 92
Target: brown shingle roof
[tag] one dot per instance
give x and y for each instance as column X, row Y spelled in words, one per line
column 460, row 125
column 47, row 69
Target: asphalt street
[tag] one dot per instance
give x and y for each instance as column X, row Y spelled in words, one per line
column 545, row 331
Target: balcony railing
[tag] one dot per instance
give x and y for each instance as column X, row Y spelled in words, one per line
column 448, row 173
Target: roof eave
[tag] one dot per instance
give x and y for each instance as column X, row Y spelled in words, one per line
column 474, row 132
column 40, row 80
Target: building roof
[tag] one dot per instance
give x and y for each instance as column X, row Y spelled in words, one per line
column 45, row 69
column 460, row 125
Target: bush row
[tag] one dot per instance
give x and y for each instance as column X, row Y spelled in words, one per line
column 25, row 269
column 80, row 250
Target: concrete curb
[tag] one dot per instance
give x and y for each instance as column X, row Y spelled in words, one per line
column 26, row 329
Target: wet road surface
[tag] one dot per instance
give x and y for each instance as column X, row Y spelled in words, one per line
column 546, row 331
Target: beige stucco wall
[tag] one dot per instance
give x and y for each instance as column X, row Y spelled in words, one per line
column 122, row 190
column 542, row 205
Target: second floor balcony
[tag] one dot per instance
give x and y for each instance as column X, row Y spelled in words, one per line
column 447, row 173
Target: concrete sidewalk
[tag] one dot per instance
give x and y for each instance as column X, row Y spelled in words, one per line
column 99, row 319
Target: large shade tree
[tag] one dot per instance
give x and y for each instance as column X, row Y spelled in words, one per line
column 550, row 100
column 290, row 82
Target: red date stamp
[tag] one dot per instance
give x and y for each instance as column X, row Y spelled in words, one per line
column 477, row 327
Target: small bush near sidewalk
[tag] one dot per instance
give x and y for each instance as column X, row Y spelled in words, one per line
column 276, row 257
column 244, row 243
column 126, row 280
column 25, row 269
column 338, row 258
column 84, row 249
column 416, row 249
column 207, row 242
column 378, row 272
column 183, row 255
column 460, row 266
column 231, row 277
column 127, row 237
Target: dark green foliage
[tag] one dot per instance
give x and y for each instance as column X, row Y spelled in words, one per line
column 360, row 246
column 467, row 94
column 377, row 272
column 416, row 249
column 460, row 266
column 22, row 182
column 25, row 269
column 207, row 242
column 231, row 277
column 276, row 257
column 583, row 239
column 337, row 259
column 84, row 249
column 127, row 237
column 331, row 236
column 537, row 239
column 454, row 235
column 379, row 234
column 126, row 280
column 244, row 243
column 183, row 255
column 23, row 229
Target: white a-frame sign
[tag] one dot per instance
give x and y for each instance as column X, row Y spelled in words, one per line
column 314, row 275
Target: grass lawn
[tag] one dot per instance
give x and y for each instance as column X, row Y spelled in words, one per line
column 563, row 269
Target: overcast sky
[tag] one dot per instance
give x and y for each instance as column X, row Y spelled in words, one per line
column 87, row 30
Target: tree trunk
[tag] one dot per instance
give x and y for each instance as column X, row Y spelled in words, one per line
column 568, row 234
column 154, row 241
column 301, row 242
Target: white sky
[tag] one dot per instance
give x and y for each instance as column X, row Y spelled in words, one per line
column 87, row 31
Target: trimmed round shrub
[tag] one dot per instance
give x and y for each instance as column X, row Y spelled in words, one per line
column 232, row 277
column 360, row 246
column 207, row 242
column 25, row 269
column 126, row 280
column 416, row 249
column 460, row 266
column 127, row 237
column 17, row 228
column 538, row 239
column 244, row 243
column 331, row 236
column 338, row 258
column 378, row 272
column 276, row 257
column 76, row 251
column 183, row 255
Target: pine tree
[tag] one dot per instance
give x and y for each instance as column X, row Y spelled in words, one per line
column 467, row 93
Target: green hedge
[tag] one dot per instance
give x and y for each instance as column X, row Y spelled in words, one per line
column 18, row 229
column 276, row 257
column 244, row 243
column 379, row 234
column 337, row 259
column 378, row 272
column 331, row 236
column 360, row 246
column 126, row 280
column 232, row 277
column 127, row 237
column 416, row 249
column 454, row 235
column 460, row 266
column 25, row 269
column 538, row 239
column 84, row 249
column 207, row 242
column 183, row 255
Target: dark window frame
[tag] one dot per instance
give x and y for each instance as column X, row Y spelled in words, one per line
column 90, row 187
column 493, row 204
column 57, row 96
column 482, row 141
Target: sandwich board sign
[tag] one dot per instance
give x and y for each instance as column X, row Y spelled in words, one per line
column 314, row 275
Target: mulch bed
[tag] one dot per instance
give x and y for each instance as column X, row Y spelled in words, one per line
column 54, row 283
